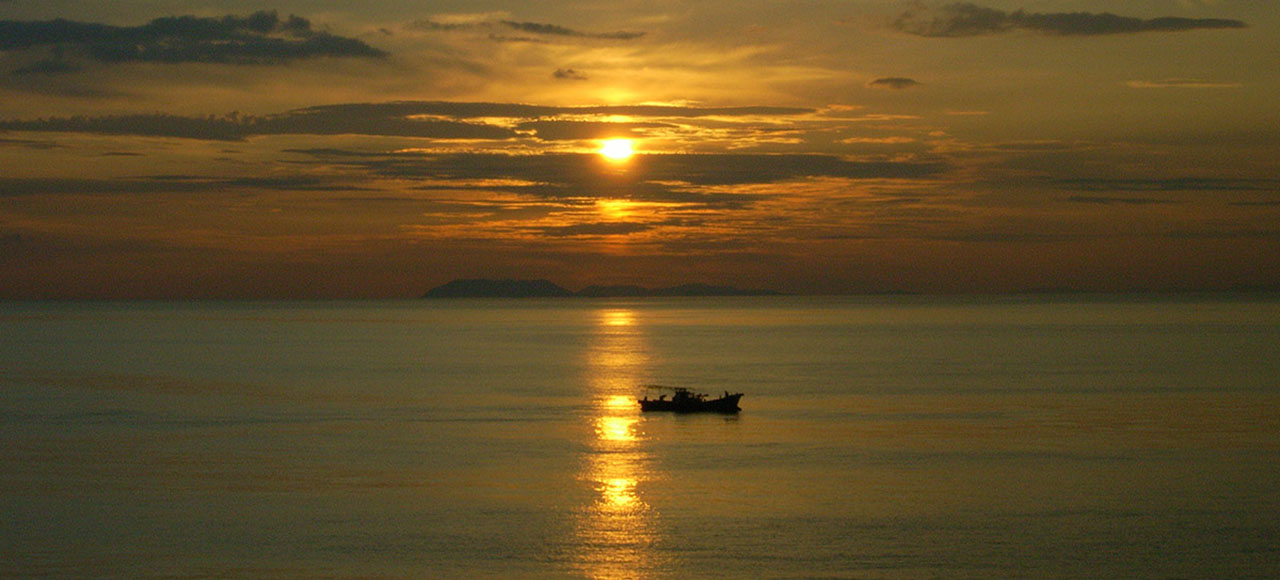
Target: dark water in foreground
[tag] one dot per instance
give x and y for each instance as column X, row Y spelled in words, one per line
column 881, row 438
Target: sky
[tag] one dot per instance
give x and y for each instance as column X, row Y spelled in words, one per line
column 322, row 149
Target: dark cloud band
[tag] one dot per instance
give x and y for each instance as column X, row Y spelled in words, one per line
column 964, row 19
column 893, row 83
column 574, row 174
column 554, row 30
column 260, row 38
column 425, row 119
column 472, row 110
column 537, row 28
column 235, row 128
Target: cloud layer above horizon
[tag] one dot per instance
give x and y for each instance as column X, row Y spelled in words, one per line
column 838, row 148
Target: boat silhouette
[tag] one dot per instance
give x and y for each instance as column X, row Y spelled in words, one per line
column 686, row 401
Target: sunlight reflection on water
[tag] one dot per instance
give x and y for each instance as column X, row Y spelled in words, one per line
column 616, row 532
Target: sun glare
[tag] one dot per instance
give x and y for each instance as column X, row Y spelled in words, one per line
column 616, row 149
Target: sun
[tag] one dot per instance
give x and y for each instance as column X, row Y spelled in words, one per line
column 616, row 149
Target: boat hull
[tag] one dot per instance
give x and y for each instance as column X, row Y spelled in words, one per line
column 725, row 404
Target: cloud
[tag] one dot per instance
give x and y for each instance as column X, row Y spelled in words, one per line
column 569, row 74
column 47, row 66
column 964, row 19
column 593, row 229
column 554, row 30
column 731, row 169
column 1182, row 84
column 259, row 38
column 478, row 110
column 1255, row 203
column 1101, row 200
column 450, row 22
column 703, row 179
column 423, row 119
column 555, row 130
column 1172, row 184
column 491, row 21
column 893, row 83
column 340, row 120
column 152, row 125
column 167, row 184
column 27, row 143
column 319, row 121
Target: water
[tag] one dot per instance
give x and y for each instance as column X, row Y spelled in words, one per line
column 896, row 437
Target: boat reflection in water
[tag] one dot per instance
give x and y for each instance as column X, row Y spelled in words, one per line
column 615, row 532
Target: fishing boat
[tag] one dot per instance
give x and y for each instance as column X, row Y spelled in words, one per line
column 683, row 400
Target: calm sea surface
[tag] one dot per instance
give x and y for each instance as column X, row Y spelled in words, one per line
column 896, row 437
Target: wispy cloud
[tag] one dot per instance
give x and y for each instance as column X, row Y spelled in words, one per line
column 1182, row 84
column 496, row 21
column 739, row 169
column 153, row 125
column 29, row 143
column 167, row 184
column 47, row 66
column 1172, row 184
column 259, row 38
column 461, row 21
column 893, row 83
column 594, row 229
column 555, row 30
column 705, row 180
column 425, row 119
column 235, row 128
column 474, row 110
column 964, row 19
column 568, row 74
column 1105, row 200
column 555, row 130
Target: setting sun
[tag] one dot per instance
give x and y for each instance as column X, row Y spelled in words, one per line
column 616, row 149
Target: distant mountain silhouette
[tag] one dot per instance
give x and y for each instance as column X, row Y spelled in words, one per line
column 484, row 288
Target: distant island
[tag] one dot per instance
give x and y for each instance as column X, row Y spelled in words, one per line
column 485, row 288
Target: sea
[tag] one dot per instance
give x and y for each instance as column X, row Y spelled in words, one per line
column 885, row 437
